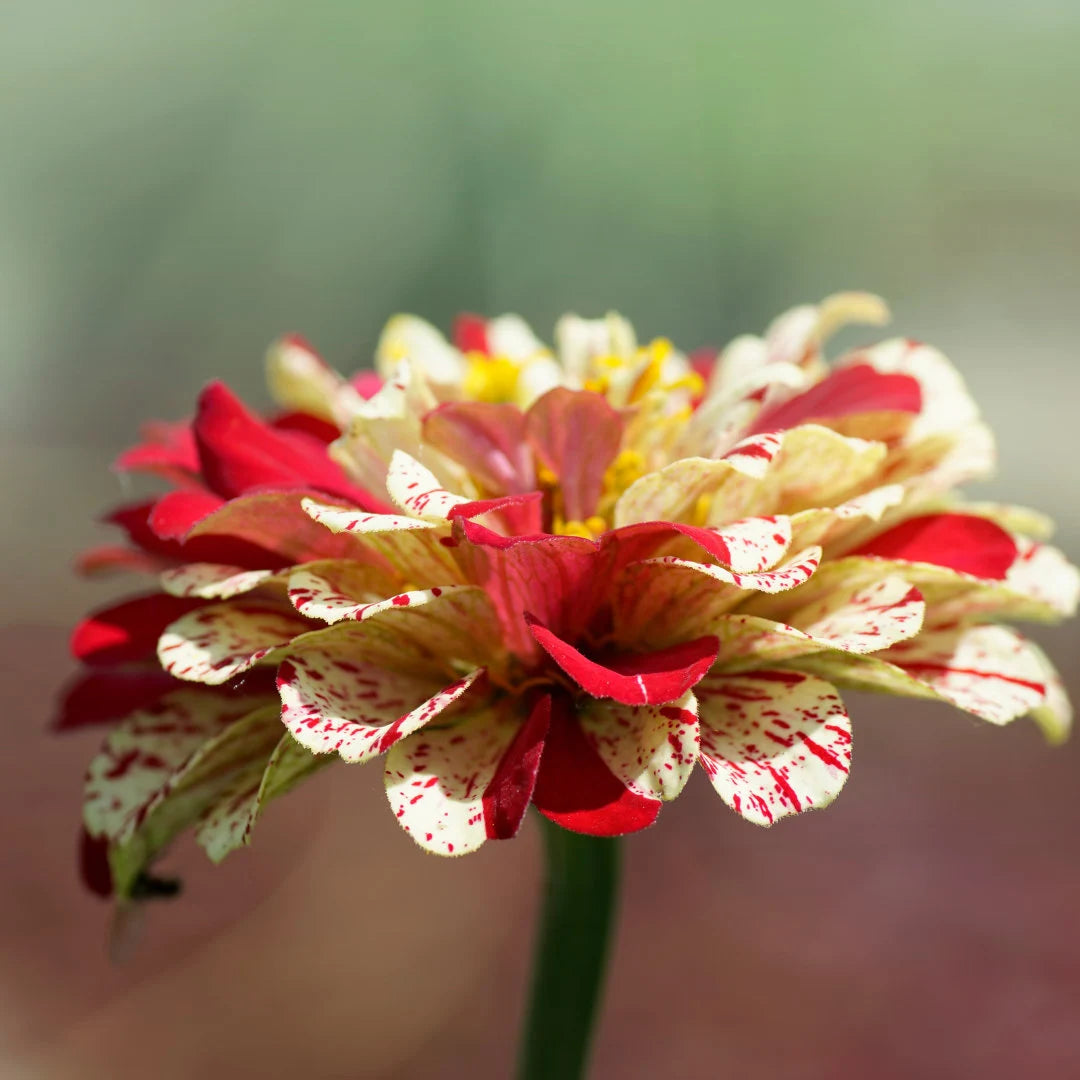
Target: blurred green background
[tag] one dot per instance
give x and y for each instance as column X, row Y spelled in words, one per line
column 181, row 182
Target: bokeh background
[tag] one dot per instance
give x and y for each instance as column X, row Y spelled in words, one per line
column 180, row 182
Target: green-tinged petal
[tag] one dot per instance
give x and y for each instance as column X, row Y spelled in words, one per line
column 230, row 822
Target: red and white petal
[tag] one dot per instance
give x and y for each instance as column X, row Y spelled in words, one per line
column 277, row 522
column 664, row 600
column 773, row 743
column 416, row 490
column 348, row 520
column 857, row 397
column 987, row 670
column 577, row 790
column 127, row 632
column 830, row 525
column 437, row 780
column 332, row 702
column 756, row 544
column 146, row 748
column 946, row 404
column 753, row 455
column 652, row 749
column 652, row 678
column 334, row 591
column 415, row 549
column 212, row 581
column 576, row 434
column 214, row 643
column 852, row 618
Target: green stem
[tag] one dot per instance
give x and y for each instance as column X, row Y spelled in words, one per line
column 571, row 953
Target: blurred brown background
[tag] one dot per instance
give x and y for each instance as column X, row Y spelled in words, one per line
column 182, row 182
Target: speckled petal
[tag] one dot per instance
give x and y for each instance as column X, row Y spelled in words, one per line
column 333, row 702
column 652, row 749
column 417, row 550
column 436, row 780
column 852, row 618
column 334, row 591
column 988, row 670
column 212, row 581
column 773, row 743
column 416, row 490
column 163, row 766
column 216, row 642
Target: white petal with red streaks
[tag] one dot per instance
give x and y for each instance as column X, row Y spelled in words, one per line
column 987, row 670
column 416, row 490
column 851, row 619
column 144, row 750
column 416, row 549
column 946, row 403
column 331, row 702
column 756, row 544
column 339, row 590
column 652, row 749
column 773, row 743
column 212, row 581
column 753, row 455
column 436, row 780
column 212, row 644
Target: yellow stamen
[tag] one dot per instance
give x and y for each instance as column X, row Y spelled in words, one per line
column 490, row 378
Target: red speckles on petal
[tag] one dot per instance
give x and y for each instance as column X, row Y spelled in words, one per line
column 773, row 742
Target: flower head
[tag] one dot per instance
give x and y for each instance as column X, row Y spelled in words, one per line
column 562, row 577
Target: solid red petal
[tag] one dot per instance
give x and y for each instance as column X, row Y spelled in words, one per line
column 507, row 796
column 576, row 790
column 651, row 678
column 94, row 864
column 964, row 542
column 98, row 697
column 174, row 514
column 307, row 424
column 847, row 391
column 166, row 448
column 240, row 452
column 470, row 333
column 128, row 632
column 521, row 514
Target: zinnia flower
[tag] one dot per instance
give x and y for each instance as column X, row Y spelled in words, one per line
column 561, row 577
